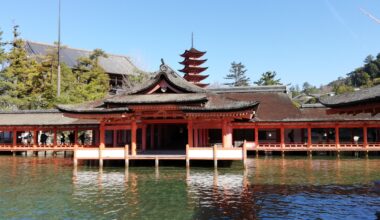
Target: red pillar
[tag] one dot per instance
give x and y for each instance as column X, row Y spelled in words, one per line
column 134, row 136
column 282, row 136
column 365, row 137
column 14, row 137
column 35, row 138
column 76, row 136
column 309, row 137
column 227, row 134
column 190, row 133
column 256, row 136
column 337, row 143
column 102, row 134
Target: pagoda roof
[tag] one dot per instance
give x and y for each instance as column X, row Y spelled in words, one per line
column 189, row 69
column 195, row 77
column 367, row 95
column 193, row 53
column 192, row 62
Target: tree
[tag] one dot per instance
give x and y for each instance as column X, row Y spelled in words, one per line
column 342, row 88
column 237, row 74
column 92, row 82
column 2, row 51
column 17, row 85
column 268, row 78
column 295, row 90
column 307, row 88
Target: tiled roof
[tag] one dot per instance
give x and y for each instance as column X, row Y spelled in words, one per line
column 353, row 98
column 113, row 64
column 157, row 98
column 36, row 118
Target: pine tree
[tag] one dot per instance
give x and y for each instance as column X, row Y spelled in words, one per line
column 17, row 80
column 237, row 74
column 268, row 78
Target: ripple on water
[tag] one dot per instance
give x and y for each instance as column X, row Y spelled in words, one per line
column 38, row 188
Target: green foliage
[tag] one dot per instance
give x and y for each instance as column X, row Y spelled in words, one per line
column 237, row 75
column 268, row 78
column 342, row 88
column 31, row 83
column 365, row 75
column 308, row 89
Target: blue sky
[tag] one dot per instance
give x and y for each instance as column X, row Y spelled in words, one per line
column 315, row 41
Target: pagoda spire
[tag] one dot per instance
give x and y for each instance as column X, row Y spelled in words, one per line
column 191, row 63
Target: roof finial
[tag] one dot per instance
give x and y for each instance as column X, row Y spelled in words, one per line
column 192, row 39
column 162, row 61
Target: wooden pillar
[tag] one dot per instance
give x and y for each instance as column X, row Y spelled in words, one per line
column 187, row 156
column 196, row 137
column 102, row 134
column 14, row 138
column 134, row 136
column 143, row 134
column 365, row 137
column 215, row 148
column 190, row 133
column 227, row 134
column 244, row 154
column 337, row 141
column 76, row 135
column 152, row 136
column 35, row 138
column 256, row 137
column 282, row 140
column 75, row 155
column 207, row 137
column 126, row 155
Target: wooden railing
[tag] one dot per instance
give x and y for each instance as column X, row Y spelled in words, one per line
column 313, row 147
column 41, row 147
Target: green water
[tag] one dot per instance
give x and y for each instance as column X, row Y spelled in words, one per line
column 291, row 188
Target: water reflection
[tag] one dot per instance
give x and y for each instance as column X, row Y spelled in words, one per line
column 51, row 188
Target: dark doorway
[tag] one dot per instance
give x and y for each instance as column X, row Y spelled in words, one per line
column 166, row 137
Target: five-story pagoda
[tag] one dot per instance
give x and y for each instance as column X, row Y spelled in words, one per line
column 192, row 68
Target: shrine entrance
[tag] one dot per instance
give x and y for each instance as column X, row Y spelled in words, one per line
column 171, row 137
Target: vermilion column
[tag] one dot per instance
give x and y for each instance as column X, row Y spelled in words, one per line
column 282, row 135
column 227, row 134
column 55, row 137
column 14, row 137
column 134, row 135
column 309, row 137
column 102, row 134
column 190, row 133
column 257, row 136
column 76, row 136
column 365, row 137
column 35, row 138
column 337, row 143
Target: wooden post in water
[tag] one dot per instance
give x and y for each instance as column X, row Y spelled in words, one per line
column 187, row 156
column 309, row 142
column 126, row 155
column 75, row 155
column 245, row 154
column 156, row 162
column 215, row 148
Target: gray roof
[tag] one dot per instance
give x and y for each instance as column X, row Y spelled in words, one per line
column 157, row 99
column 40, row 117
column 244, row 89
column 113, row 64
column 364, row 95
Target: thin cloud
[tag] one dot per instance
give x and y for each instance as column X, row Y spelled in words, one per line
column 370, row 15
column 339, row 18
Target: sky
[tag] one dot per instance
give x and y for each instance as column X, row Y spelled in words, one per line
column 315, row 41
